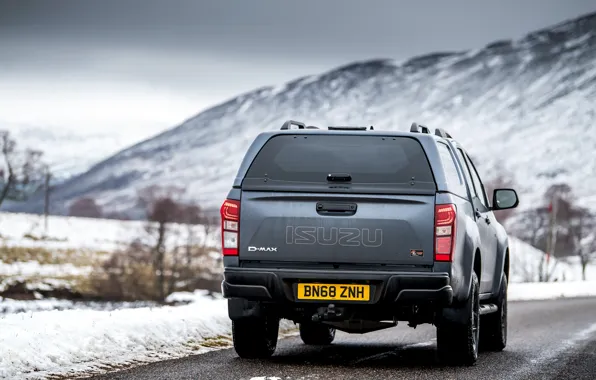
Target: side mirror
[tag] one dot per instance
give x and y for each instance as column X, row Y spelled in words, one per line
column 504, row 199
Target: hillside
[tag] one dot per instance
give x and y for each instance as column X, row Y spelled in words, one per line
column 71, row 151
column 524, row 106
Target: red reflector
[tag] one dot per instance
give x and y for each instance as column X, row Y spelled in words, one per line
column 230, row 251
column 443, row 258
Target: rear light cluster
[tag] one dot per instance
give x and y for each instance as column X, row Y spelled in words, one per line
column 445, row 216
column 230, row 227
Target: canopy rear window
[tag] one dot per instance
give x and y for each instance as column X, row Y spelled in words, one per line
column 376, row 164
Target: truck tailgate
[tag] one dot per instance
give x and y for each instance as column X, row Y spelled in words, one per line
column 337, row 228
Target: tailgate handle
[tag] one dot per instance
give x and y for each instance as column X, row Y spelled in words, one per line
column 339, row 177
column 336, row 208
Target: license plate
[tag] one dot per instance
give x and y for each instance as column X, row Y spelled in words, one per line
column 333, row 292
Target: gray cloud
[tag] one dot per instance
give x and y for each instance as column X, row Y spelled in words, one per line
column 307, row 28
column 224, row 46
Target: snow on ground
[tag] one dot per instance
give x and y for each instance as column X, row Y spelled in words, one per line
column 86, row 341
column 525, row 264
column 34, row 268
column 551, row 290
column 10, row 306
column 28, row 230
column 90, row 340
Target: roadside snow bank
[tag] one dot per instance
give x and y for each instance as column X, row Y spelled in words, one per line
column 36, row 344
column 551, row 290
column 11, row 306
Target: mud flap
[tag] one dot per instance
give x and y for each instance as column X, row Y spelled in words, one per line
column 458, row 315
column 239, row 308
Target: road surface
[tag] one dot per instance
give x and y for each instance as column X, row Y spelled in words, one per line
column 547, row 340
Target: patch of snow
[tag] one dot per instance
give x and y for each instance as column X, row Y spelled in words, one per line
column 275, row 90
column 88, row 340
column 10, row 306
column 578, row 41
column 66, row 232
column 525, row 262
column 195, row 296
column 551, row 290
column 33, row 268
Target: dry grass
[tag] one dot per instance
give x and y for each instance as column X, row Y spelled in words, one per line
column 69, row 283
column 123, row 277
column 76, row 257
column 219, row 341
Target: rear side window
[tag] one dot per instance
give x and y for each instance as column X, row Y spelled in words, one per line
column 448, row 165
column 376, row 164
column 466, row 171
column 451, row 174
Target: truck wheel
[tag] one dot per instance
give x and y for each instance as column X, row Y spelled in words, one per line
column 255, row 338
column 458, row 343
column 494, row 326
column 316, row 334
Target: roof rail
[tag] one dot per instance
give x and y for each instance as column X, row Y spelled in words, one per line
column 347, row 128
column 443, row 133
column 288, row 124
column 417, row 128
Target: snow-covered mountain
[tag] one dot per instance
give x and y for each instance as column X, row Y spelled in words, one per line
column 525, row 106
column 71, row 151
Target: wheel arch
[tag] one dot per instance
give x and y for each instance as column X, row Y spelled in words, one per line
column 503, row 263
column 477, row 268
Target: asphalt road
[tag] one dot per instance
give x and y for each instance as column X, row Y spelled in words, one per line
column 547, row 340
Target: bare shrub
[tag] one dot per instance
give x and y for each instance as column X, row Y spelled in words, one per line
column 126, row 276
column 21, row 172
column 86, row 208
column 171, row 254
column 582, row 231
column 560, row 228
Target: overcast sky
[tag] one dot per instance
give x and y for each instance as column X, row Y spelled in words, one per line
column 113, row 63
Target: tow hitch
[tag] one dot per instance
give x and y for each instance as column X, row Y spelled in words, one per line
column 329, row 313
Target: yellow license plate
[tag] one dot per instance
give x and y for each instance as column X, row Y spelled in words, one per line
column 334, row 292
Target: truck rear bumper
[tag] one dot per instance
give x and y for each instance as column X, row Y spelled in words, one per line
column 279, row 286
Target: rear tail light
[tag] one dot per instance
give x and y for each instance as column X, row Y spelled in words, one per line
column 230, row 227
column 445, row 216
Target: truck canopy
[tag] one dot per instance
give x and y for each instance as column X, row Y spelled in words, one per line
column 338, row 198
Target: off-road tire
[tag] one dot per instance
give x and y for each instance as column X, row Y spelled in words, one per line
column 316, row 334
column 493, row 336
column 255, row 338
column 458, row 343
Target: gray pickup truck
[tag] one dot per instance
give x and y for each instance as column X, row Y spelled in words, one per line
column 355, row 229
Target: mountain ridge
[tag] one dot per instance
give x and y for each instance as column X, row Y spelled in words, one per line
column 500, row 100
